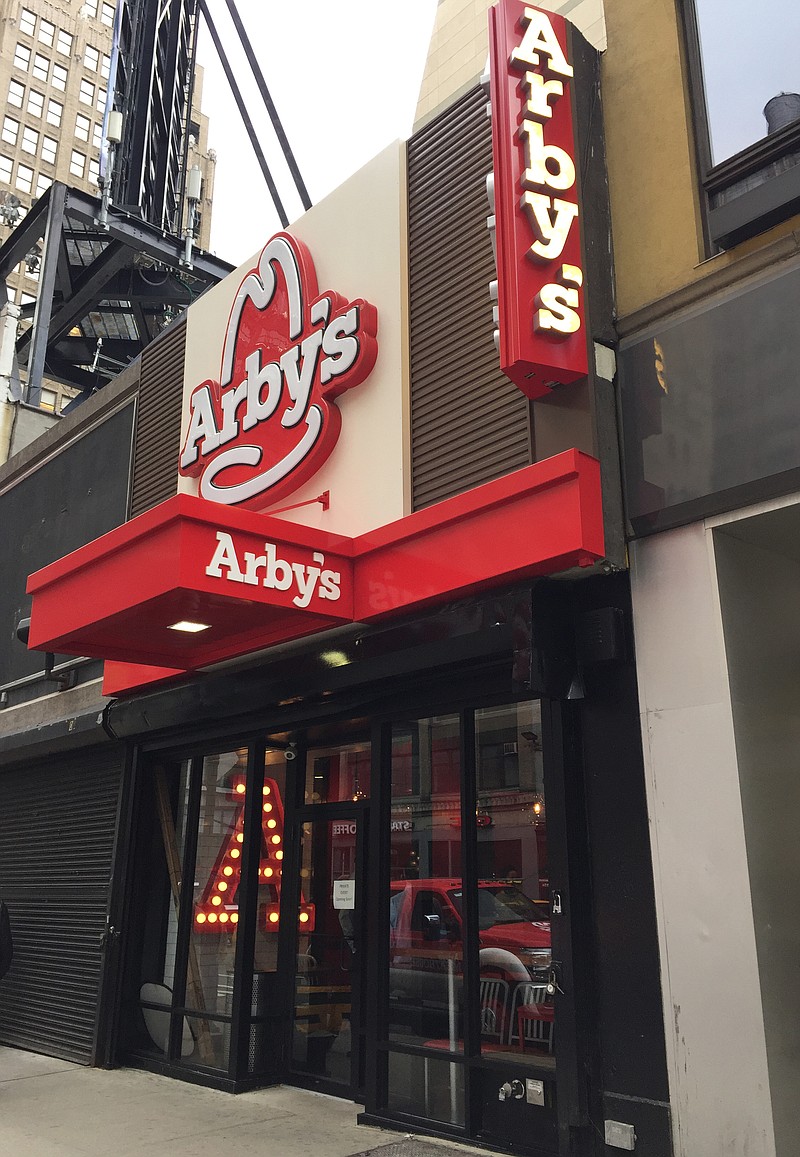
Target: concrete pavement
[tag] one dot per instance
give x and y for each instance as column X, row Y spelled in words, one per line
column 51, row 1108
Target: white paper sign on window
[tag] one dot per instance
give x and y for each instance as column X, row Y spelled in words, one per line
column 344, row 894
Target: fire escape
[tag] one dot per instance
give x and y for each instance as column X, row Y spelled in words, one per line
column 116, row 269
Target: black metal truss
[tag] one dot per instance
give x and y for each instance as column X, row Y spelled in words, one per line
column 104, row 293
column 153, row 84
column 153, row 90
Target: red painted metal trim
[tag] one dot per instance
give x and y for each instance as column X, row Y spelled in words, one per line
column 184, row 508
column 187, row 559
column 122, row 678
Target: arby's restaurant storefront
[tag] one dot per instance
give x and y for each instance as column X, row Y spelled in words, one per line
column 387, row 835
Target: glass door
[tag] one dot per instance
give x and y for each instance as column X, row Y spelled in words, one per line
column 327, row 1040
column 479, row 1027
column 519, row 997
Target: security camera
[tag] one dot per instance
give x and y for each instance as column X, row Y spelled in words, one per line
column 291, row 752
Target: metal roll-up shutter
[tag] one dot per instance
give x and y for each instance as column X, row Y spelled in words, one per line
column 156, row 444
column 469, row 423
column 57, row 830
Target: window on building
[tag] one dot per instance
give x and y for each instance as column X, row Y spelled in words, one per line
column 97, row 135
column 24, row 178
column 30, row 141
column 60, row 75
column 746, row 65
column 94, row 172
column 16, row 93
column 41, row 67
column 35, row 103
column 91, row 58
column 27, row 22
column 47, row 400
column 86, row 92
column 105, row 67
column 42, row 184
column 6, row 167
column 107, row 14
column 10, row 131
column 746, row 90
column 64, row 42
column 102, row 93
column 82, row 127
column 55, row 111
column 47, row 32
column 22, row 57
column 77, row 164
column 49, row 150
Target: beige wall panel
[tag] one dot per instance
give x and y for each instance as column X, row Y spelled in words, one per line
column 760, row 594
column 716, row 1048
column 649, row 152
column 357, row 238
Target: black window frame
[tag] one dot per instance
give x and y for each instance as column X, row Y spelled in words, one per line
column 727, row 223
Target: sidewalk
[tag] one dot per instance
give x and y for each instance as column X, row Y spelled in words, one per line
column 51, row 1108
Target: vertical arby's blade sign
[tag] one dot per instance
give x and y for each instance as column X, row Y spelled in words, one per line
column 271, row 420
column 539, row 265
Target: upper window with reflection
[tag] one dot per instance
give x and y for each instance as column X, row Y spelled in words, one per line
column 339, row 772
column 751, row 70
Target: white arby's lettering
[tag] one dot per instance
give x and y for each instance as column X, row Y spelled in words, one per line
column 289, row 352
column 256, row 398
column 549, row 170
column 270, row 570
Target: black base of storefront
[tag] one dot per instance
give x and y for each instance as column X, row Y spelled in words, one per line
column 208, row 1080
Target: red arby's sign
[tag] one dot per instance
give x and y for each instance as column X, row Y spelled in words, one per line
column 270, row 420
column 189, row 583
column 539, row 263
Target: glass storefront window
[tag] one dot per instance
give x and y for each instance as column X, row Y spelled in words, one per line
column 338, row 773
column 197, row 831
column 216, row 901
column 425, row 942
column 516, row 1013
column 160, row 896
column 328, row 950
column 426, row 1087
column 270, row 864
column 209, row 976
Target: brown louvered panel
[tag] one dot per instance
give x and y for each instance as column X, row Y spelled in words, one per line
column 469, row 424
column 158, row 421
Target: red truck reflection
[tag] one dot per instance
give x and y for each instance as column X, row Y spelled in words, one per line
column 426, row 938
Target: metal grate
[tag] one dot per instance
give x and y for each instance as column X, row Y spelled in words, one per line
column 56, row 846
column 413, row 1147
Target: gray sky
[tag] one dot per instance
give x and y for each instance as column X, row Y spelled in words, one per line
column 344, row 76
